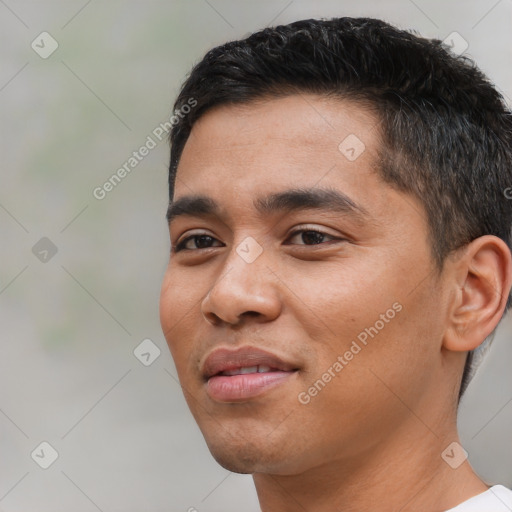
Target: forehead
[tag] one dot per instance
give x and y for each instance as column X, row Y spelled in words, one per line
column 236, row 153
column 308, row 122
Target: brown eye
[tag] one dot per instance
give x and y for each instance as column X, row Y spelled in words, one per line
column 311, row 236
column 201, row 241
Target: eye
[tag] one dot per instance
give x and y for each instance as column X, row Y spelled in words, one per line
column 202, row 242
column 311, row 236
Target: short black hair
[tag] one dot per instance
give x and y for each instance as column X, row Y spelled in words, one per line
column 446, row 130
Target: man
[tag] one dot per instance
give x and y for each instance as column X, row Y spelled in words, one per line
column 340, row 235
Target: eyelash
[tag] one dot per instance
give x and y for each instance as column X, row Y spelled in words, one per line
column 181, row 245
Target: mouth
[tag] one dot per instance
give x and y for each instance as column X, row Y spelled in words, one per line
column 262, row 368
column 238, row 375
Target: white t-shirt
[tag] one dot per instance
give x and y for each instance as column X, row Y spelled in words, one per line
column 495, row 499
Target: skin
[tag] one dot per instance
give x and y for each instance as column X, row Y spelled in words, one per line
column 375, row 433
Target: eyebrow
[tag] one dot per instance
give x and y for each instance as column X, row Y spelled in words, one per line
column 287, row 201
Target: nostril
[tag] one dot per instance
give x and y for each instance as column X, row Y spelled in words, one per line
column 212, row 318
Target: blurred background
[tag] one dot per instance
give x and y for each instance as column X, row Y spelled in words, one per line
column 84, row 367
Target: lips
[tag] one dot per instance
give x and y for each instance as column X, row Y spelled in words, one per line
column 228, row 360
column 237, row 375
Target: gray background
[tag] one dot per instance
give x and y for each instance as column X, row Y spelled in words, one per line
column 68, row 375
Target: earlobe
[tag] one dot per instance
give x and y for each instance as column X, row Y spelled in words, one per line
column 483, row 276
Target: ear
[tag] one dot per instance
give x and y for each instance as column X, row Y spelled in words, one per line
column 482, row 279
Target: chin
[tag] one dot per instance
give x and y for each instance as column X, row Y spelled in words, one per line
column 235, row 463
column 245, row 456
column 237, row 455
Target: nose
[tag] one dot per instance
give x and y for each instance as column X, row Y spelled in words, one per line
column 243, row 290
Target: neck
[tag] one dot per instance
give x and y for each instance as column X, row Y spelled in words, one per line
column 407, row 474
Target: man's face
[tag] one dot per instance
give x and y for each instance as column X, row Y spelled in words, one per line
column 363, row 292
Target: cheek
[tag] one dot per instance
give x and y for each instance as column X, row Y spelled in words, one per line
column 369, row 315
column 166, row 302
column 180, row 292
column 340, row 300
column 173, row 311
column 388, row 351
column 180, row 318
